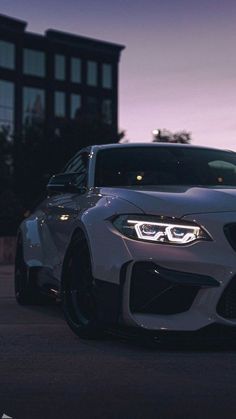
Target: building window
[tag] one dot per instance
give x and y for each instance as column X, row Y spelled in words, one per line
column 7, row 100
column 33, row 106
column 75, row 105
column 75, row 70
column 60, row 67
column 107, row 76
column 7, row 55
column 60, row 104
column 107, row 111
column 92, row 73
column 34, row 63
column 92, row 106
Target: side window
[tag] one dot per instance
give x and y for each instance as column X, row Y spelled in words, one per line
column 79, row 166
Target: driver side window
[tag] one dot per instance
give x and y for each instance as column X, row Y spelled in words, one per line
column 79, row 166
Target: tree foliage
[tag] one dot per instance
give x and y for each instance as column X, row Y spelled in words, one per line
column 6, row 148
column 166, row 136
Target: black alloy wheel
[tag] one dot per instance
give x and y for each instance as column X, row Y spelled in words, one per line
column 79, row 291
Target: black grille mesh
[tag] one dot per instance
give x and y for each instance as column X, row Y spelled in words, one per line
column 230, row 233
column 227, row 304
column 156, row 295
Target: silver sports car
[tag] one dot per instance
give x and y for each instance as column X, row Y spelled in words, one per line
column 141, row 235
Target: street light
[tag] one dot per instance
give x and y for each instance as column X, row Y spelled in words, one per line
column 155, row 132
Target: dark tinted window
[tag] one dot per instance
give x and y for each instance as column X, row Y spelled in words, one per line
column 7, row 55
column 165, row 166
column 75, row 105
column 79, row 166
column 107, row 76
column 33, row 105
column 34, row 62
column 75, row 70
column 60, row 67
column 60, row 104
column 7, row 101
column 92, row 73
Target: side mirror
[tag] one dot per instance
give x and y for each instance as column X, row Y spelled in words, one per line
column 63, row 183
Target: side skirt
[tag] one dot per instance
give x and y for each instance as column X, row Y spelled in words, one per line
column 45, row 282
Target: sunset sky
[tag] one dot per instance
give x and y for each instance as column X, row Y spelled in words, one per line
column 178, row 70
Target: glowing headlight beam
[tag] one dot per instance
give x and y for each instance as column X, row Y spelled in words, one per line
column 162, row 230
column 166, row 230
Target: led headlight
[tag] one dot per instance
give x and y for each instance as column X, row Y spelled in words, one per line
column 159, row 229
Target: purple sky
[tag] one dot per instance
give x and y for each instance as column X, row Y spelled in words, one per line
column 179, row 67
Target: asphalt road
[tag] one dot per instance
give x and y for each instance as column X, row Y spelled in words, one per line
column 47, row 372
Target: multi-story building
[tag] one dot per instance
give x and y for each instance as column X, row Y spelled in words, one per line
column 54, row 77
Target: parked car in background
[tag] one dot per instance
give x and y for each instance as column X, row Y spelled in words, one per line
column 142, row 235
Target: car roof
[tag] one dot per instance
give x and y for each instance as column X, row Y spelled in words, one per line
column 98, row 147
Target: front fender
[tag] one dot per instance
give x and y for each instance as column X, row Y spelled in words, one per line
column 107, row 247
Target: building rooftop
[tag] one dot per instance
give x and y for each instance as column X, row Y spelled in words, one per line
column 54, row 35
column 12, row 24
column 81, row 41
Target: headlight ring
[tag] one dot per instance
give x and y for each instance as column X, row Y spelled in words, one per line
column 159, row 229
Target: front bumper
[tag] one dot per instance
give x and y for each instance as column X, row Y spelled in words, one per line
column 177, row 305
column 151, row 302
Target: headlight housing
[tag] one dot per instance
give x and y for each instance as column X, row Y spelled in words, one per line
column 159, row 229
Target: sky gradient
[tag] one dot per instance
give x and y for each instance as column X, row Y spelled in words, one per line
column 178, row 70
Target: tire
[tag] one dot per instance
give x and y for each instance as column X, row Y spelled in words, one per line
column 25, row 292
column 79, row 291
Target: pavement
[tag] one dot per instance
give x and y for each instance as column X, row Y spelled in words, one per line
column 46, row 372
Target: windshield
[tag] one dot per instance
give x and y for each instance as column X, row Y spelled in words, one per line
column 138, row 166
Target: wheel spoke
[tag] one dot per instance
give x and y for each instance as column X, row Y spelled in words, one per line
column 81, row 291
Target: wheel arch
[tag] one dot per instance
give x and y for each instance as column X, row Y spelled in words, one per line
column 108, row 294
column 80, row 230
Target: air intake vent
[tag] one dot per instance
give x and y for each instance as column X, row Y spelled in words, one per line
column 230, row 233
column 227, row 304
column 154, row 294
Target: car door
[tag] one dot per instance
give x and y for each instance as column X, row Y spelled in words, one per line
column 61, row 210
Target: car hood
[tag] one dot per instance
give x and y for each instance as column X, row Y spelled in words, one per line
column 177, row 200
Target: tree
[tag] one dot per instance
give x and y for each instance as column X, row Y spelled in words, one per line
column 182, row 137
column 11, row 210
column 5, row 158
column 163, row 135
